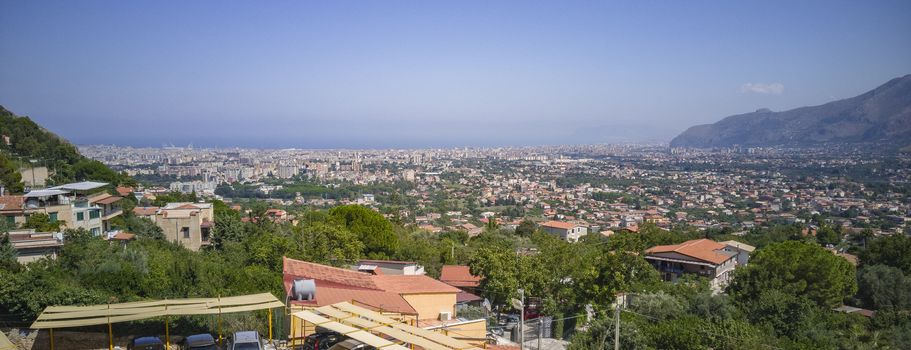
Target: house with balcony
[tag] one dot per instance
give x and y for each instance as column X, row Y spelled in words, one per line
column 78, row 205
column 701, row 257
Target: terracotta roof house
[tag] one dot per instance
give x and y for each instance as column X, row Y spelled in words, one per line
column 702, row 257
column 567, row 231
column 418, row 297
column 459, row 276
column 32, row 246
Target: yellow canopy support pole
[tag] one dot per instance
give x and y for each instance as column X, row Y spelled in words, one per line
column 110, row 335
column 51, row 337
column 303, row 326
column 110, row 330
column 219, row 320
column 270, row 325
column 167, row 334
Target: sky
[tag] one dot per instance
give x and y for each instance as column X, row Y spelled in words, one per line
column 414, row 74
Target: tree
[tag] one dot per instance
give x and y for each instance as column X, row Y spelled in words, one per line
column 782, row 312
column 526, row 228
column 42, row 222
column 799, row 269
column 7, row 253
column 893, row 250
column 827, row 235
column 330, row 244
column 884, row 287
column 10, row 178
column 660, row 306
column 372, row 229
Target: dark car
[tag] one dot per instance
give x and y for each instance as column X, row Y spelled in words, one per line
column 351, row 344
column 199, row 342
column 145, row 343
column 321, row 340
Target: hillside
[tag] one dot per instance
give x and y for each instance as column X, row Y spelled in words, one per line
column 882, row 115
column 28, row 142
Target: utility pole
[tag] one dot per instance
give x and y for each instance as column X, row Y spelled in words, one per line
column 522, row 320
column 617, row 324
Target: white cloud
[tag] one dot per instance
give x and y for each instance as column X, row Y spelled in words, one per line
column 762, row 88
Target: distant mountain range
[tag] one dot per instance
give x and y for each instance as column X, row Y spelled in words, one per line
column 882, row 115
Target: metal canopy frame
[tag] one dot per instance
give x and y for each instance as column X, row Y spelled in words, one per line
column 90, row 315
column 355, row 321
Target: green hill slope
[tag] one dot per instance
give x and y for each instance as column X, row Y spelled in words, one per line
column 28, row 143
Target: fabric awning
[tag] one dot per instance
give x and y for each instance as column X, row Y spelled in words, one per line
column 78, row 316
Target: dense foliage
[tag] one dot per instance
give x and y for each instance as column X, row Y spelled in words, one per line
column 32, row 145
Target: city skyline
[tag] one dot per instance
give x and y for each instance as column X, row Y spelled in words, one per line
column 420, row 75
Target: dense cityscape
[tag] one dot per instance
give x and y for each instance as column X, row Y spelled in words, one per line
column 601, row 187
column 455, row 175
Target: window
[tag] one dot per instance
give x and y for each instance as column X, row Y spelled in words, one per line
column 53, row 217
column 185, row 231
column 96, row 231
column 94, row 214
column 80, row 216
column 11, row 220
column 205, row 234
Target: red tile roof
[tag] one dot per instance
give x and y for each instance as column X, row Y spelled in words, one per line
column 124, row 191
column 10, row 202
column 380, row 291
column 412, row 284
column 327, row 273
column 702, row 249
column 145, row 211
column 559, row 224
column 459, row 276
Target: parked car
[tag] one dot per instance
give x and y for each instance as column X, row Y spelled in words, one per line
column 203, row 341
column 322, row 340
column 248, row 340
column 145, row 343
column 351, row 344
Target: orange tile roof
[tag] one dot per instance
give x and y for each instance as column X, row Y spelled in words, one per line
column 327, row 273
column 124, row 190
column 145, row 211
column 559, row 224
column 412, row 284
column 10, row 202
column 702, row 249
column 380, row 291
column 459, row 276
column 328, row 294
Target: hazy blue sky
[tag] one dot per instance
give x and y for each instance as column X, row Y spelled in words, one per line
column 432, row 73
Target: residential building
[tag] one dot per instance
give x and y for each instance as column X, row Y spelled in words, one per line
column 32, row 246
column 743, row 251
column 416, row 299
column 701, row 257
column 82, row 205
column 567, row 231
column 189, row 224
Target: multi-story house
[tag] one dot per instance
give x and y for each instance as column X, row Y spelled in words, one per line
column 567, row 231
column 78, row 205
column 701, row 257
column 189, row 224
